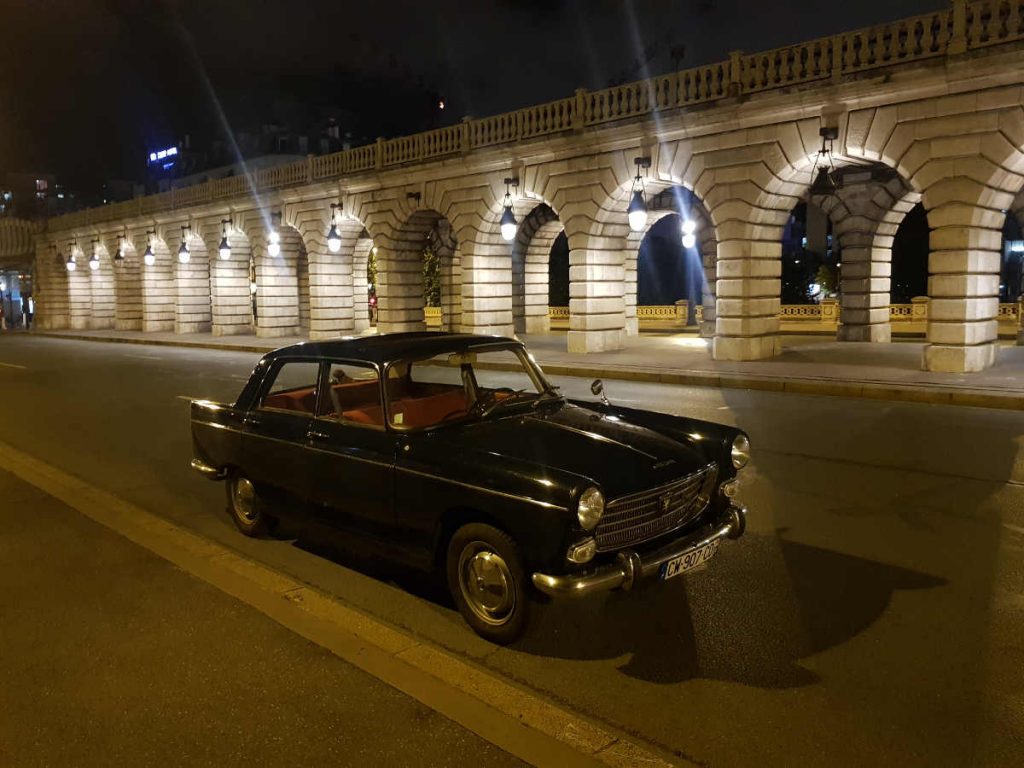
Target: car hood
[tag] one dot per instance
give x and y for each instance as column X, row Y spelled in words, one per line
column 619, row 456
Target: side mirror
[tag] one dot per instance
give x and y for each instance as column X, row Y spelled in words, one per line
column 597, row 389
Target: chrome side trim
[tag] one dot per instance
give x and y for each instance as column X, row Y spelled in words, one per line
column 527, row 499
column 211, row 473
column 630, row 566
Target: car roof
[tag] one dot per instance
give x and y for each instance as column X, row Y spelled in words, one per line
column 385, row 348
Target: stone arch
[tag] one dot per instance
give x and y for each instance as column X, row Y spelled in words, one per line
column 445, row 246
column 865, row 214
column 158, row 284
column 681, row 202
column 192, row 309
column 531, row 253
column 282, row 281
column 968, row 164
column 400, row 272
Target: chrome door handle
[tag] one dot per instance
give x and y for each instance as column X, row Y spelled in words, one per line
column 314, row 434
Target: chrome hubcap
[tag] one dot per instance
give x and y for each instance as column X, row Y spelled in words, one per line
column 243, row 499
column 487, row 584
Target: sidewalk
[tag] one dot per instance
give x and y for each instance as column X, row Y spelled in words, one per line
column 110, row 655
column 807, row 365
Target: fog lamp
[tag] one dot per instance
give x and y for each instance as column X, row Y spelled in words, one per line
column 583, row 552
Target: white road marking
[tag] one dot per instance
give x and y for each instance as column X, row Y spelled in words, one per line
column 14, row 365
column 146, row 357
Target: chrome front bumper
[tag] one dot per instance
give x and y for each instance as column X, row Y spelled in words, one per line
column 212, row 473
column 629, row 566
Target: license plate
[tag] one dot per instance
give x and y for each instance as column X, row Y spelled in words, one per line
column 689, row 561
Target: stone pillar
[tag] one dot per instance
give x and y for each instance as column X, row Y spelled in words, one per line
column 486, row 263
column 748, row 289
column 50, row 290
column 360, row 288
column 963, row 284
column 597, row 293
column 277, row 291
column 451, row 289
column 158, row 289
column 531, row 256
column 331, row 308
column 102, row 291
column 400, row 300
column 709, row 257
column 630, row 257
column 192, row 310
column 229, row 282
column 128, row 289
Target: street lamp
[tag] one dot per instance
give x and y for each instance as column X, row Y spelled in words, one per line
column 637, row 210
column 273, row 236
column 148, row 257
column 826, row 179
column 71, row 264
column 509, row 225
column 224, row 249
column 333, row 238
column 94, row 260
column 122, row 240
column 689, row 233
column 183, row 252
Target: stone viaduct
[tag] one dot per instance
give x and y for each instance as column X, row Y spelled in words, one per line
column 928, row 109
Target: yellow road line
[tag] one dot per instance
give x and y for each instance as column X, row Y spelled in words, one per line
column 513, row 718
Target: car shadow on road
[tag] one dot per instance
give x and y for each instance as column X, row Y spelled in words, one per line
column 749, row 618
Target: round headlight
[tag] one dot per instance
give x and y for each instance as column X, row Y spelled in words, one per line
column 590, row 508
column 740, row 451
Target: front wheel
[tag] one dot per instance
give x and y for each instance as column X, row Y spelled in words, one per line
column 488, row 582
column 247, row 509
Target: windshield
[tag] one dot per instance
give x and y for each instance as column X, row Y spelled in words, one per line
column 454, row 386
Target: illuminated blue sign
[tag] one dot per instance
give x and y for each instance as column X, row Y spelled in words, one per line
column 158, row 156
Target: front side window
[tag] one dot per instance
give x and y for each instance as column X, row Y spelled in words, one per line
column 293, row 387
column 353, row 395
column 456, row 386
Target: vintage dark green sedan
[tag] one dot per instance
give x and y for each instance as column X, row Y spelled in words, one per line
column 454, row 452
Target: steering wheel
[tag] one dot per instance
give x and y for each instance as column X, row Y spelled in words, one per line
column 486, row 403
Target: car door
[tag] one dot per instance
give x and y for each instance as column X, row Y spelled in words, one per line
column 275, row 430
column 353, row 453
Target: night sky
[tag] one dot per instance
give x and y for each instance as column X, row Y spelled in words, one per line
column 88, row 86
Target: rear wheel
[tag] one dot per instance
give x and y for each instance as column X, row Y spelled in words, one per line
column 247, row 509
column 487, row 580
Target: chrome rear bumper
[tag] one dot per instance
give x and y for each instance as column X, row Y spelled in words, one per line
column 629, row 566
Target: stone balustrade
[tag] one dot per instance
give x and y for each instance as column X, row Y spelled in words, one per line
column 961, row 27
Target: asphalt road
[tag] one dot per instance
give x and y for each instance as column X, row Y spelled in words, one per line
column 873, row 613
column 110, row 655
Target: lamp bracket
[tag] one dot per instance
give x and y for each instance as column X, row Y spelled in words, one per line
column 643, row 162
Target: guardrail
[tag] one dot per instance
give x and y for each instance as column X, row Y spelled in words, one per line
column 962, row 27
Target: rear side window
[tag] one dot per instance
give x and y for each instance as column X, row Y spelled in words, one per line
column 352, row 396
column 293, row 387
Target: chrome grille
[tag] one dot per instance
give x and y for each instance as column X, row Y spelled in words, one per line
column 639, row 517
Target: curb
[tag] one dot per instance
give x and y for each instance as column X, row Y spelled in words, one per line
column 868, row 390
